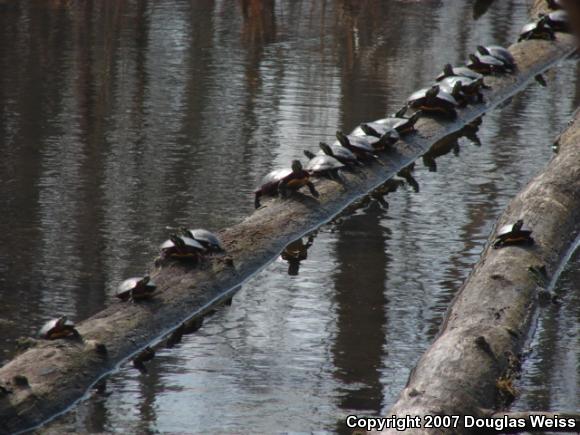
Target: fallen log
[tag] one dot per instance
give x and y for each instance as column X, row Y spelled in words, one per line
column 470, row 367
column 50, row 376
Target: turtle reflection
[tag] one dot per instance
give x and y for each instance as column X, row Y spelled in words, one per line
column 296, row 252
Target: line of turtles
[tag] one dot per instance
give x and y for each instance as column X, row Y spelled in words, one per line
column 455, row 87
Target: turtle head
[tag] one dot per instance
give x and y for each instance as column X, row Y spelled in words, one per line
column 415, row 117
column 448, row 70
column 457, row 88
column 369, row 131
column 482, row 50
column 326, row 149
column 341, row 137
column 473, row 58
column 401, row 112
column 309, row 154
column 296, row 166
column 144, row 281
column 432, row 93
column 177, row 241
column 61, row 321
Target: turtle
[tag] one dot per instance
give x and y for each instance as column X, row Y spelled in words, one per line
column 555, row 4
column 538, row 30
column 378, row 141
column 340, row 153
column 485, row 64
column 181, row 247
column 323, row 165
column 361, row 146
column 136, row 288
column 60, row 327
column 434, row 100
column 461, row 71
column 209, row 240
column 558, row 21
column 500, row 53
column 280, row 181
column 513, row 234
column 467, row 91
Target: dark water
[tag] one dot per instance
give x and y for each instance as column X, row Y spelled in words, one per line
column 119, row 118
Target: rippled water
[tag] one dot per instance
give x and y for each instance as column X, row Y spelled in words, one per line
column 120, row 118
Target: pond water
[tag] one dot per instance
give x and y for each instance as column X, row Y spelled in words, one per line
column 120, row 118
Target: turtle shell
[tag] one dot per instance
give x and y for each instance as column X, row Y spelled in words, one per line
column 59, row 327
column 513, row 234
column 537, row 30
column 192, row 247
column 559, row 21
column 501, row 53
column 420, row 99
column 207, row 238
column 323, row 163
column 462, row 72
column 138, row 287
column 275, row 176
column 340, row 153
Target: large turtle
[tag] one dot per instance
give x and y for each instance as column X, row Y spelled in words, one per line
column 182, row 248
column 340, row 153
column 461, row 71
column 435, row 101
column 323, row 165
column 136, row 288
column 513, row 234
column 500, row 53
column 282, row 181
column 60, row 327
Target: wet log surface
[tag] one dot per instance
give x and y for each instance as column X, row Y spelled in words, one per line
column 50, row 376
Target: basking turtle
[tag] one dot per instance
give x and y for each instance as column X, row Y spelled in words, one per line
column 61, row 327
column 361, row 146
column 555, row 4
column 485, row 64
column 323, row 165
column 538, row 30
column 340, row 153
column 558, row 21
column 209, row 240
column 434, row 100
column 461, row 71
column 280, row 181
column 513, row 234
column 181, row 247
column 468, row 90
column 378, row 141
column 136, row 289
column 500, row 53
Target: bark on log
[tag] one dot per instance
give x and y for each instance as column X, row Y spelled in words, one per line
column 50, row 376
column 470, row 366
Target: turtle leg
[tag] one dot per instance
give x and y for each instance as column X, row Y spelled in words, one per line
column 312, row 189
column 257, row 199
column 282, row 189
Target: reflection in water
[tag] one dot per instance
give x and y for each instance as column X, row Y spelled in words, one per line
column 295, row 253
column 120, row 118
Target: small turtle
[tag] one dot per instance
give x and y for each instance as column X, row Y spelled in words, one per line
column 559, row 21
column 209, row 240
column 434, row 100
column 137, row 288
column 513, row 234
column 378, row 141
column 500, row 53
column 280, row 181
column 340, row 153
column 461, row 71
column 181, row 247
column 61, row 327
column 538, row 30
column 555, row 4
column 468, row 90
column 323, row 165
column 361, row 146
column 485, row 64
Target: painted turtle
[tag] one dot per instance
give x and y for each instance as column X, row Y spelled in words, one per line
column 209, row 240
column 461, row 71
column 538, row 30
column 340, row 153
column 181, row 247
column 463, row 89
column 323, row 165
column 500, row 53
column 513, row 234
column 280, row 181
column 377, row 140
column 558, row 21
column 359, row 145
column 555, row 4
column 434, row 100
column 61, row 327
column 136, row 288
column 485, row 64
